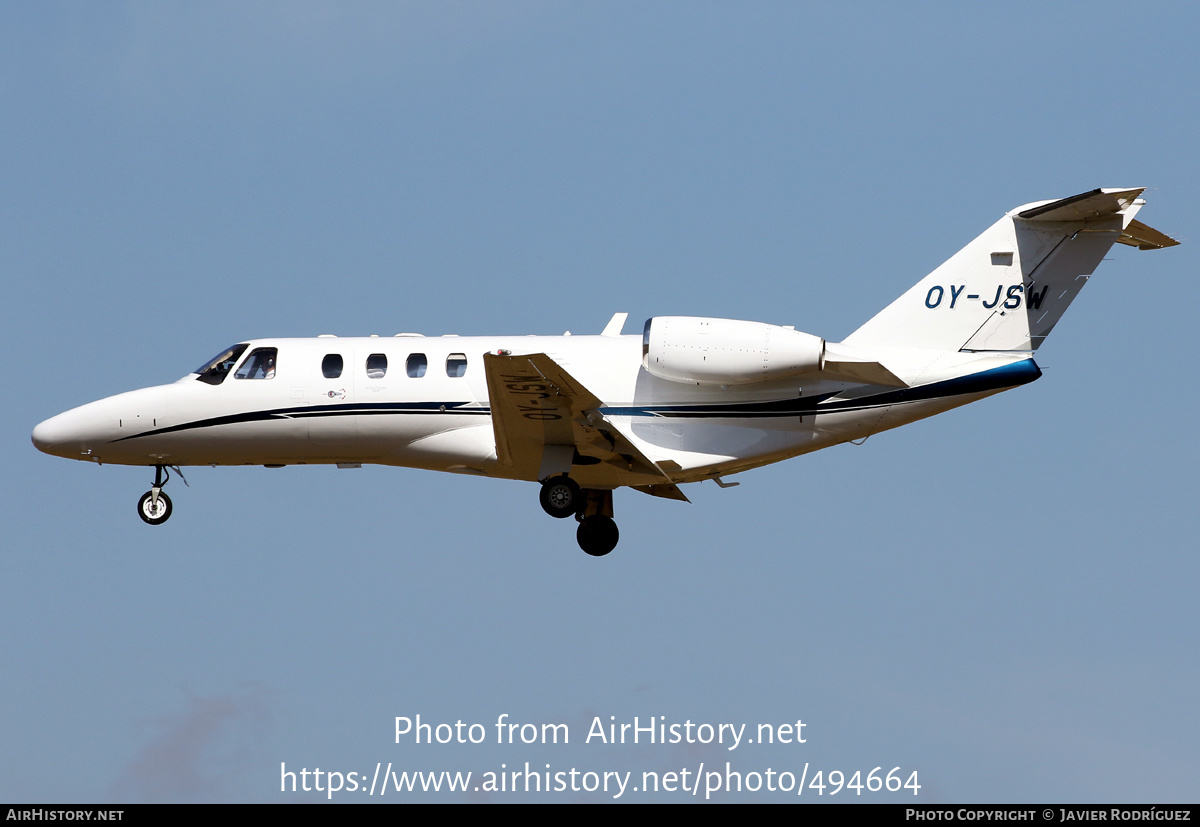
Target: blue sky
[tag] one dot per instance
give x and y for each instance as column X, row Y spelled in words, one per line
column 1001, row 598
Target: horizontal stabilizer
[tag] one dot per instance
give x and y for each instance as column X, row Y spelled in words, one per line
column 1139, row 235
column 1095, row 204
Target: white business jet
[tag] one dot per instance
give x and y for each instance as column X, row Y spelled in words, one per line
column 692, row 399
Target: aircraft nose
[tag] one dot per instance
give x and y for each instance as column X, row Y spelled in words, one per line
column 54, row 436
column 98, row 427
column 71, row 434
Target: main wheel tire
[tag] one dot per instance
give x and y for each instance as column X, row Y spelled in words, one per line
column 597, row 535
column 149, row 513
column 560, row 497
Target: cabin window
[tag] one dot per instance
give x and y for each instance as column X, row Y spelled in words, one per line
column 214, row 371
column 416, row 365
column 331, row 366
column 456, row 364
column 260, row 364
column 376, row 366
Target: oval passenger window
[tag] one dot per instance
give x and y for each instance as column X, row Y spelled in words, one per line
column 456, row 364
column 331, row 366
column 416, row 365
column 376, row 366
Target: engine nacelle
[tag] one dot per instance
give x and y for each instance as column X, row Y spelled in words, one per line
column 727, row 351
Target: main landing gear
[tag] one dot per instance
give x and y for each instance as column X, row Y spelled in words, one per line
column 561, row 497
column 155, row 507
column 597, row 534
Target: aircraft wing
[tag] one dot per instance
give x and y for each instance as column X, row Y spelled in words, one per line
column 546, row 421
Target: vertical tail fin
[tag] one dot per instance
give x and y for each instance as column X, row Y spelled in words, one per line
column 1006, row 290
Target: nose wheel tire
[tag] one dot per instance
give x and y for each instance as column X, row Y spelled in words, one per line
column 597, row 535
column 152, row 512
column 561, row 497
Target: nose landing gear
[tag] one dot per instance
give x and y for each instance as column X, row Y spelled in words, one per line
column 155, row 507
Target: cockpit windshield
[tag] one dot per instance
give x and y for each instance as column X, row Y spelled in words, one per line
column 213, row 372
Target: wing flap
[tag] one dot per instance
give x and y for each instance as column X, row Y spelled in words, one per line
column 668, row 491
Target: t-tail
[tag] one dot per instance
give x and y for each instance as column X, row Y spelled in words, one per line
column 1004, row 292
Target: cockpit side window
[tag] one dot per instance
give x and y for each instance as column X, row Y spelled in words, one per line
column 260, row 364
column 213, row 372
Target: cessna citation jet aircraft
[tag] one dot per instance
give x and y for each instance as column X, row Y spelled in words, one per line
column 692, row 399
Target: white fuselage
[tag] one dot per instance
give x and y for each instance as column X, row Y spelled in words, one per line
column 423, row 402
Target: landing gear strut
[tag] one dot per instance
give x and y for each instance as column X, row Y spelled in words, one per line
column 562, row 497
column 155, row 507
